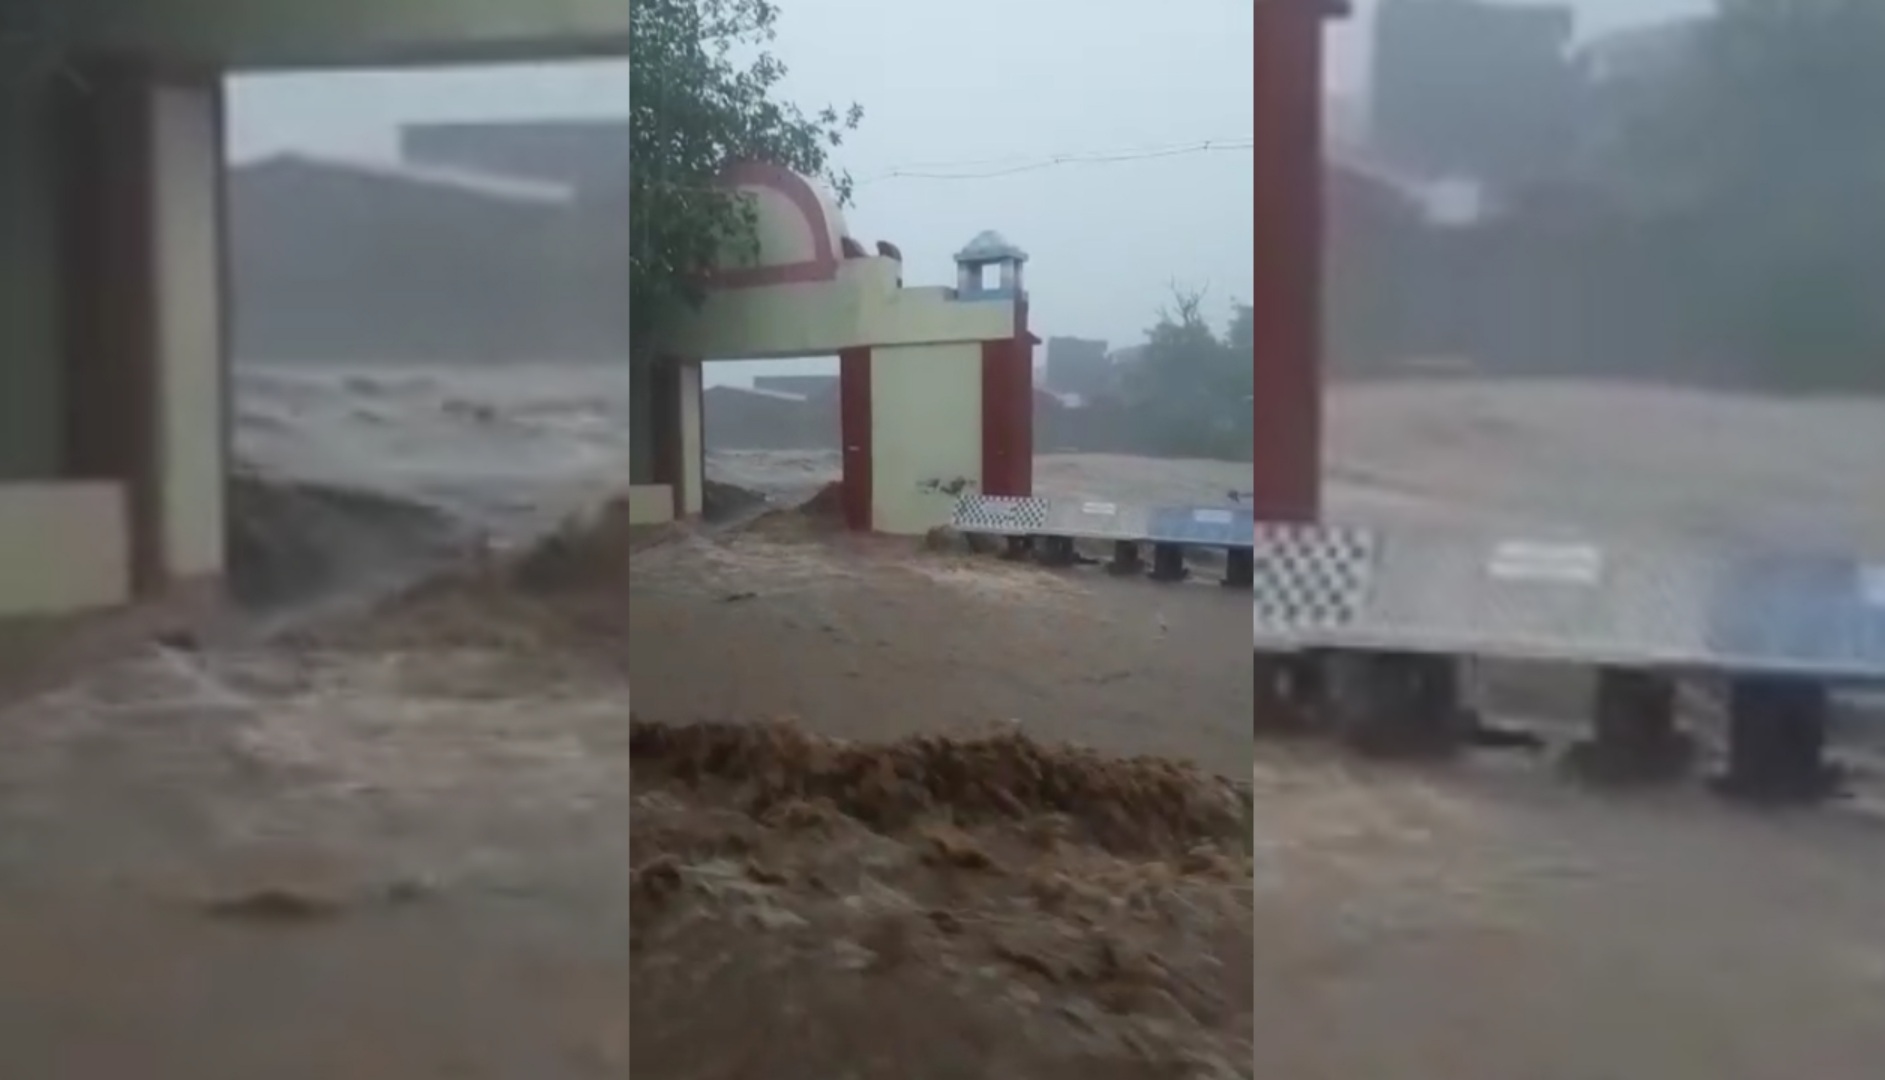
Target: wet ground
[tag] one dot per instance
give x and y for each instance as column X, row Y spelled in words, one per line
column 1488, row 920
column 396, row 847
column 934, row 908
column 300, row 863
column 1638, row 458
column 391, row 837
column 880, row 639
column 992, row 930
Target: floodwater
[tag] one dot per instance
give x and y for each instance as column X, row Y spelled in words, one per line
column 404, row 856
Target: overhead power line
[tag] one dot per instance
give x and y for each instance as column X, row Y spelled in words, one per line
column 995, row 168
column 989, row 168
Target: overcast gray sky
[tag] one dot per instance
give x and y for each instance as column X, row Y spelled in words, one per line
column 969, row 86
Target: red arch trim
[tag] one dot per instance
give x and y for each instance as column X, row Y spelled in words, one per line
column 822, row 266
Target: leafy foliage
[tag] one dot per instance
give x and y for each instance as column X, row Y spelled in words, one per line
column 1770, row 146
column 1728, row 226
column 1190, row 391
column 704, row 94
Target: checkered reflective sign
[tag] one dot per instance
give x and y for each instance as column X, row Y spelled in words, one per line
column 1310, row 577
column 1008, row 515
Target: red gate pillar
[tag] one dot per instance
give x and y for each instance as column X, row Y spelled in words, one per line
column 1287, row 297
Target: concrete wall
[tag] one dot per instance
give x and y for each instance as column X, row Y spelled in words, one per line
column 926, row 363
column 146, row 267
column 693, row 448
column 191, row 428
column 863, row 306
column 592, row 155
column 63, row 547
column 244, row 33
column 641, row 424
column 926, row 403
column 151, row 245
column 650, row 504
column 30, row 384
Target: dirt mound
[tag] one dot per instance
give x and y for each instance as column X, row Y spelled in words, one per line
column 1140, row 804
column 827, row 505
column 560, row 601
column 820, row 515
column 932, row 908
column 728, row 502
column 586, row 552
column 583, row 553
column 294, row 542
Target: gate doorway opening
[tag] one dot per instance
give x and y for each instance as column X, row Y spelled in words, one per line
column 426, row 327
column 772, row 435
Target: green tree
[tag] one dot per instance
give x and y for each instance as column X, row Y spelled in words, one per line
column 704, row 93
column 1190, row 390
column 1768, row 153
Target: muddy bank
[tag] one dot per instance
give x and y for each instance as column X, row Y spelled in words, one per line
column 294, row 543
column 932, row 908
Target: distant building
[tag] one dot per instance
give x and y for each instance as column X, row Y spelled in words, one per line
column 589, row 155
column 1470, row 88
column 1629, row 72
column 1129, row 357
column 1379, row 236
column 1077, row 366
column 803, row 386
column 348, row 260
column 738, row 418
column 1361, row 201
column 1643, row 55
column 1359, row 185
column 1046, row 398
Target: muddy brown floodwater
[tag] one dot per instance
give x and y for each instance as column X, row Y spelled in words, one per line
column 1485, row 920
column 934, row 908
column 291, row 861
column 881, row 813
column 876, row 640
column 983, row 880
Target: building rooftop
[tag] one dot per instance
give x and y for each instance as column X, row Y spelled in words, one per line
column 990, row 246
column 465, row 181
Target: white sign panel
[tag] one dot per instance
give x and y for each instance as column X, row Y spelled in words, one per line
column 1872, row 584
column 1553, row 563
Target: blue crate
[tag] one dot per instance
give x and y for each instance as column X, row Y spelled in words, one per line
column 1202, row 526
column 1805, row 613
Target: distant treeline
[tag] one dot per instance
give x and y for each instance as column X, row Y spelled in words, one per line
column 1721, row 221
column 1184, row 393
